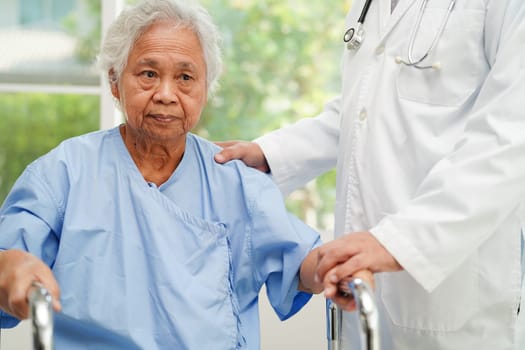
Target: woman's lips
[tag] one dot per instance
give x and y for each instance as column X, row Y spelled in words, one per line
column 163, row 118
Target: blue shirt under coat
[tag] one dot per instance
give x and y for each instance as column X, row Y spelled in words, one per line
column 178, row 266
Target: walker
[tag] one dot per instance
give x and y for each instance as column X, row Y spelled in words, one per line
column 42, row 317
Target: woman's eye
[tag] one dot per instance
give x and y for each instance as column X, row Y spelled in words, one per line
column 149, row 74
column 186, row 77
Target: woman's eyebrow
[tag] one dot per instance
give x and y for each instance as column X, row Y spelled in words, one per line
column 186, row 65
column 148, row 62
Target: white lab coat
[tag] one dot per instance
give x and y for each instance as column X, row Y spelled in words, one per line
column 432, row 162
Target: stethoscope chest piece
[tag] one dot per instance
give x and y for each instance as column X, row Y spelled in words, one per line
column 354, row 37
column 349, row 34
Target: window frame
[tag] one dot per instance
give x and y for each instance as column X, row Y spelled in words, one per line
column 109, row 116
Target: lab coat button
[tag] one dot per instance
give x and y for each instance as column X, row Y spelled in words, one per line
column 362, row 114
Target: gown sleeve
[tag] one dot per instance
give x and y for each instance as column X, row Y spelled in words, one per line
column 280, row 242
column 29, row 220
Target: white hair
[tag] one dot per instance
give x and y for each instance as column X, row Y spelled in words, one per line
column 133, row 22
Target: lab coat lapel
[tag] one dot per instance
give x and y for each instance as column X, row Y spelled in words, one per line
column 388, row 20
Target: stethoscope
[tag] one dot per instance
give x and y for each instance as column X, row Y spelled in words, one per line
column 353, row 37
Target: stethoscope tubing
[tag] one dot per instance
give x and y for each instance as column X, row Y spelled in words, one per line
column 350, row 37
column 364, row 11
column 415, row 62
column 353, row 37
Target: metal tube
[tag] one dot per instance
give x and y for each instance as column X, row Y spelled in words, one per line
column 367, row 313
column 333, row 325
column 41, row 313
column 367, row 310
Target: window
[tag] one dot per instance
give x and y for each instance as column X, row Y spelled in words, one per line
column 47, row 42
column 44, row 13
column 49, row 89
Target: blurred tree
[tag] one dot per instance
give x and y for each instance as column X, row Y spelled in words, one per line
column 281, row 64
column 33, row 124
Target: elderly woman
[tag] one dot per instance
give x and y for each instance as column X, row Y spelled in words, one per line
column 143, row 240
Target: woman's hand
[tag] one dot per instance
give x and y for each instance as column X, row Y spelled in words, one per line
column 18, row 270
column 340, row 293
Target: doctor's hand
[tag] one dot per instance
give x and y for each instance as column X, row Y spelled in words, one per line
column 249, row 152
column 349, row 254
column 18, row 270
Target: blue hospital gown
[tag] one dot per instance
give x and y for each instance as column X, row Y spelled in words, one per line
column 178, row 266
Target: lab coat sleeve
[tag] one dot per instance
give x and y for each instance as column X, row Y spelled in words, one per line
column 472, row 190
column 300, row 152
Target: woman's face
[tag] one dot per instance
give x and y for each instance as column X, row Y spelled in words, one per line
column 162, row 90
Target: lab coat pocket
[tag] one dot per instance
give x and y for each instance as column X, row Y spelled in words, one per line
column 445, row 309
column 458, row 57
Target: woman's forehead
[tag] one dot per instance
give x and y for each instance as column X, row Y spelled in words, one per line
column 167, row 38
column 168, row 33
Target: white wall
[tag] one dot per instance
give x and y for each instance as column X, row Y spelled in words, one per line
column 304, row 331
column 18, row 338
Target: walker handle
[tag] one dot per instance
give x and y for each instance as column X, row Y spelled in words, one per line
column 367, row 312
column 41, row 312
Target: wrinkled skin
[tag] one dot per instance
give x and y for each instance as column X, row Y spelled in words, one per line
column 18, row 270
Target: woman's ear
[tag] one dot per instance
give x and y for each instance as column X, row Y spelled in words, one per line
column 112, row 78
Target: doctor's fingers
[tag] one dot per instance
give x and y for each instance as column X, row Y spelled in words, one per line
column 249, row 152
column 363, row 247
column 334, row 253
column 225, row 144
column 343, row 273
column 377, row 260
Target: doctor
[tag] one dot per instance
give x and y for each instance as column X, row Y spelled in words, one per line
column 428, row 137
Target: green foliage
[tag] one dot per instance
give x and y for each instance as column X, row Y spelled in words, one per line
column 32, row 124
column 281, row 63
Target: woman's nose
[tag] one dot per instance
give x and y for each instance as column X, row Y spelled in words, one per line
column 166, row 92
